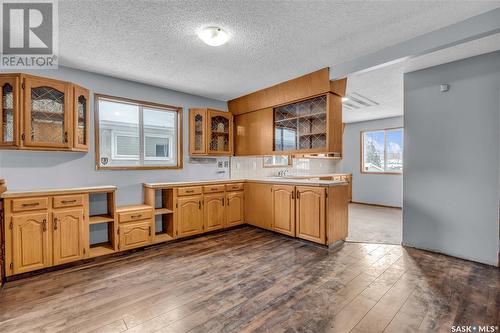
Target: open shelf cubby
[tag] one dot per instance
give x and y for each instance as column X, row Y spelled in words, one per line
column 163, row 202
column 101, row 224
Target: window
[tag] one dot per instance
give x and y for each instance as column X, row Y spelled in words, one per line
column 137, row 135
column 382, row 151
column 276, row 161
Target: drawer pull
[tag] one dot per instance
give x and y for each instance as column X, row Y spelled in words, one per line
column 33, row 204
column 135, row 216
column 214, row 188
column 68, row 201
column 189, row 191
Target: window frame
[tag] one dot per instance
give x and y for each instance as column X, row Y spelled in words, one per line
column 144, row 104
column 362, row 151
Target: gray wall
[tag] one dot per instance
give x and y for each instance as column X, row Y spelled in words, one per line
column 35, row 170
column 451, row 178
column 370, row 188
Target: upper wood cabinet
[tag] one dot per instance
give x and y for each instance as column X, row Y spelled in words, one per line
column 43, row 114
column 210, row 132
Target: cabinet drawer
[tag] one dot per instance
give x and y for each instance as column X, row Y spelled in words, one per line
column 189, row 190
column 213, row 188
column 67, row 201
column 27, row 204
column 135, row 216
column 234, row 187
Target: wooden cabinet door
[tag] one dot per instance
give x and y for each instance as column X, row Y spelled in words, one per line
column 9, row 110
column 30, row 242
column 259, row 195
column 189, row 215
column 197, row 131
column 81, row 118
column 234, row 208
column 47, row 113
column 135, row 234
column 311, row 213
column 284, row 209
column 214, row 206
column 220, row 133
column 67, row 235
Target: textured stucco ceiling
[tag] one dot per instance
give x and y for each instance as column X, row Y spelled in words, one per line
column 155, row 41
column 385, row 85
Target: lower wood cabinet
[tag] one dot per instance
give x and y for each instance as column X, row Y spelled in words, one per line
column 235, row 208
column 311, row 213
column 67, row 235
column 31, row 248
column 135, row 234
column 283, row 220
column 189, row 215
column 214, row 211
column 258, row 204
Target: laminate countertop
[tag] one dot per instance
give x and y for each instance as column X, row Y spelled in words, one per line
column 268, row 180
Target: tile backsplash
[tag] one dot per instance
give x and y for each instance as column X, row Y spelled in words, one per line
column 252, row 167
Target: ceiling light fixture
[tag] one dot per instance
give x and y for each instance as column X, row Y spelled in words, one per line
column 213, row 36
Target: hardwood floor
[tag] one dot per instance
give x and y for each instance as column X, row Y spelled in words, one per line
column 374, row 224
column 247, row 280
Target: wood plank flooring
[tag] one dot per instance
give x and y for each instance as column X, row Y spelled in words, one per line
column 251, row 280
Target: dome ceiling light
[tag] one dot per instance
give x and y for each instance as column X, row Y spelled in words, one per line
column 213, row 36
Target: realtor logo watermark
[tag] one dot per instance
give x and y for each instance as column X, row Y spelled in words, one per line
column 29, row 36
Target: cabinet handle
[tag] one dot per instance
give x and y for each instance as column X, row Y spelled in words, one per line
column 199, row 204
column 228, row 201
column 135, row 216
column 222, row 201
column 149, row 231
column 293, row 194
column 30, row 204
column 68, row 201
column 298, row 195
column 189, row 191
column 65, row 136
column 55, row 223
column 44, row 225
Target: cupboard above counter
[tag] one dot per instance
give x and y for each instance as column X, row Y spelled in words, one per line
column 43, row 114
column 210, row 132
column 300, row 116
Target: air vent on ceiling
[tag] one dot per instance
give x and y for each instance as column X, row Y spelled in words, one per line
column 357, row 101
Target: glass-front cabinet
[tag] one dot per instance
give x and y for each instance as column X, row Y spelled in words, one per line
column 211, row 132
column 46, row 113
column 80, row 118
column 43, row 114
column 9, row 93
column 309, row 126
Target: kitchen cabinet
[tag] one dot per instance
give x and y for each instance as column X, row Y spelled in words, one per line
column 31, row 248
column 254, row 133
column 81, row 121
column 210, row 132
column 189, row 215
column 9, row 117
column 43, row 114
column 258, row 204
column 67, row 234
column 47, row 113
column 235, row 208
column 214, row 211
column 283, row 220
column 311, row 213
column 135, row 234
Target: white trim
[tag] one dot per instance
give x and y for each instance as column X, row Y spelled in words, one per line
column 114, row 155
column 170, row 144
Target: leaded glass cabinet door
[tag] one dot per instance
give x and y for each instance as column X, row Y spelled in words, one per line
column 197, row 131
column 301, row 126
column 9, row 111
column 47, row 109
column 220, row 129
column 81, row 118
